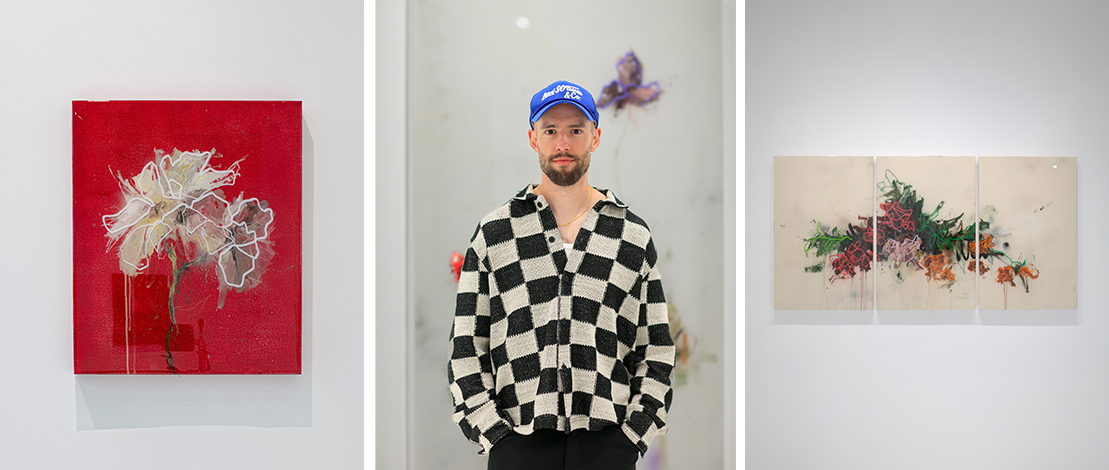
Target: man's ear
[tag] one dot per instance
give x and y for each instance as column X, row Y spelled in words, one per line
column 596, row 139
column 532, row 140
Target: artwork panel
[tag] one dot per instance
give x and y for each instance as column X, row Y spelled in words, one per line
column 1031, row 244
column 922, row 262
column 833, row 196
column 452, row 194
column 187, row 237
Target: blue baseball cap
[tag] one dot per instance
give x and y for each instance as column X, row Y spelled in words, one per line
column 563, row 91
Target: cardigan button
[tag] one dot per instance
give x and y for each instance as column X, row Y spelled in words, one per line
column 539, row 205
column 550, row 239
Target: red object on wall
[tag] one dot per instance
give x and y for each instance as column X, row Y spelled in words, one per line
column 187, row 237
column 456, row 264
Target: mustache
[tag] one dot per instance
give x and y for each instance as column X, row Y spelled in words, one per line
column 563, row 155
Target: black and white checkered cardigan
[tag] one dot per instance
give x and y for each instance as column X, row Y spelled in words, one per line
column 542, row 340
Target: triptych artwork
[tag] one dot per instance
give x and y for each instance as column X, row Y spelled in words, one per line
column 925, row 233
column 186, row 237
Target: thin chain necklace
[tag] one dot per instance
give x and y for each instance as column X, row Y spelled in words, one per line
column 587, row 206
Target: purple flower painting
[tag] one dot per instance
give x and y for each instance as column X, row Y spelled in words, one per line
column 628, row 88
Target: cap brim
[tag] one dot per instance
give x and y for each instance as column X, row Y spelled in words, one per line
column 541, row 111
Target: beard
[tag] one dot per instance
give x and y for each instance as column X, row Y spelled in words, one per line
column 568, row 175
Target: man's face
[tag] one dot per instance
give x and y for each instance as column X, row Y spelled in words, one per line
column 565, row 139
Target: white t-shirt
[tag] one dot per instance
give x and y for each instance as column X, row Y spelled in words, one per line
column 568, row 246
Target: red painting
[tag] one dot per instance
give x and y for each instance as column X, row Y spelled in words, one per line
column 186, row 237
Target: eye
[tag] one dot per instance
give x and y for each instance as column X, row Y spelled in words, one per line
column 548, row 131
column 577, row 131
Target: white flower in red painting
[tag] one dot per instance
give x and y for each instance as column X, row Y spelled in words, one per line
column 154, row 200
column 245, row 256
column 175, row 207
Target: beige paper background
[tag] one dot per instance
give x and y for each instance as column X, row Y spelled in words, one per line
column 834, row 191
column 935, row 179
column 1036, row 213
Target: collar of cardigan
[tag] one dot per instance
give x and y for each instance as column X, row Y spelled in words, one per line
column 529, row 194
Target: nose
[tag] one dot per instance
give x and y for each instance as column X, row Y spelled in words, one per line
column 562, row 142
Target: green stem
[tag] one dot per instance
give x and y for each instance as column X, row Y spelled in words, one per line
column 174, row 288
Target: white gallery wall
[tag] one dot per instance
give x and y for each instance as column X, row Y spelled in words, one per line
column 873, row 78
column 54, row 52
column 1012, row 390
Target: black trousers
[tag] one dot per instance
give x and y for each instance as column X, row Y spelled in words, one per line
column 548, row 449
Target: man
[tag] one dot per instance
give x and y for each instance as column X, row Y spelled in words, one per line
column 561, row 351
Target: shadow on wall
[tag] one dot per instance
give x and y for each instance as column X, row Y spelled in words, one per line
column 128, row 402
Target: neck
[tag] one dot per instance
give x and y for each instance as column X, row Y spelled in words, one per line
column 566, row 201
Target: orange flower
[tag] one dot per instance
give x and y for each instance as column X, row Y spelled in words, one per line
column 1005, row 274
column 981, row 266
column 934, row 264
column 1026, row 272
column 987, row 245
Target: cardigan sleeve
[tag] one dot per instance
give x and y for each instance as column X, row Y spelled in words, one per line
column 645, row 417
column 470, row 370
